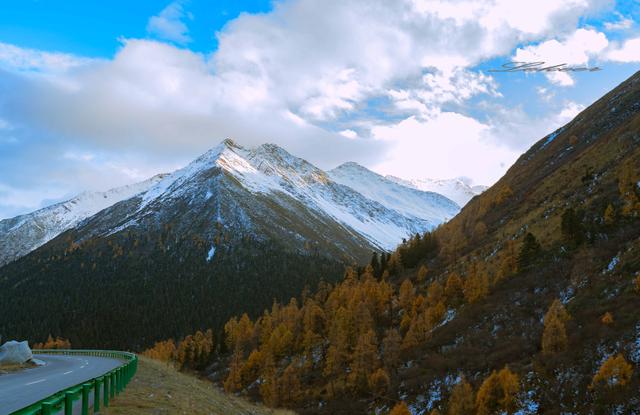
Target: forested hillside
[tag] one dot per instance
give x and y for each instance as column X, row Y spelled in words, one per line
column 527, row 301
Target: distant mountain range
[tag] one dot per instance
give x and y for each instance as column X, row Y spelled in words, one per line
column 229, row 232
column 461, row 189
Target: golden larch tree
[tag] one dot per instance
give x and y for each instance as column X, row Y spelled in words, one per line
column 554, row 335
column 615, row 371
column 498, row 393
column 462, row 400
column 400, row 408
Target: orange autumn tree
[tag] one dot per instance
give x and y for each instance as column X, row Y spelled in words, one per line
column 614, row 372
column 400, row 408
column 461, row 401
column 51, row 343
column 498, row 393
column 163, row 350
column 554, row 336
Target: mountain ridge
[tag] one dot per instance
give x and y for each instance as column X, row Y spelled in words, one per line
column 264, row 169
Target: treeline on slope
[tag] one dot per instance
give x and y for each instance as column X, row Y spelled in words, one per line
column 352, row 340
column 126, row 293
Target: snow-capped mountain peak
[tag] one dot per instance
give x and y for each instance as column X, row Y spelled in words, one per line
column 258, row 190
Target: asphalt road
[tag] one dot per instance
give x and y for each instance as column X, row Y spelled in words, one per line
column 23, row 388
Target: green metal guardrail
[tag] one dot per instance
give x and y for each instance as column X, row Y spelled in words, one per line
column 104, row 388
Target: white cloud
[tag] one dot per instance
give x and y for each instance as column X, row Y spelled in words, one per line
column 350, row 134
column 628, row 52
column 545, row 93
column 30, row 60
column 623, row 23
column 447, row 145
column 169, row 24
column 438, row 88
column 290, row 76
column 575, row 49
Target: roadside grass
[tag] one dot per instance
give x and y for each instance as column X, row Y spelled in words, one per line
column 160, row 389
column 6, row 369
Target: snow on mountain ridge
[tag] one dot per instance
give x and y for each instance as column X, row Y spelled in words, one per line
column 271, row 170
column 22, row 234
column 410, row 202
column 365, row 204
column 459, row 189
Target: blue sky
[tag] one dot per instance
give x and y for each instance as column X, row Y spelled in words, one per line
column 101, row 94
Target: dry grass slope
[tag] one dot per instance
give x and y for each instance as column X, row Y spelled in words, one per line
column 160, row 389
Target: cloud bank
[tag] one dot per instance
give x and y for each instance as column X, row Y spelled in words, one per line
column 387, row 84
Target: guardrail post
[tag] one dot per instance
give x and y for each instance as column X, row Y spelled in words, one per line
column 106, row 390
column 68, row 403
column 96, row 395
column 46, row 408
column 86, row 387
column 112, row 387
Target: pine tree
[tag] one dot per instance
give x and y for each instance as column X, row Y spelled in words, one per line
column 572, row 228
column 554, row 336
column 461, row 401
column 375, row 264
column 528, row 252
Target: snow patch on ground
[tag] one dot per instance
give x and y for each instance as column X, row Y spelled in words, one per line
column 551, row 137
column 211, row 253
column 612, row 264
column 635, row 355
